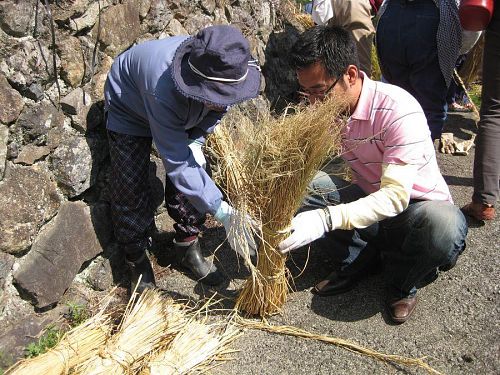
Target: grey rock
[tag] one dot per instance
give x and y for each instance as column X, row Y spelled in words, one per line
column 100, row 274
column 89, row 17
column 27, row 62
column 65, row 243
column 34, row 92
column 208, row 6
column 76, row 102
column 12, row 102
column 76, row 162
column 28, row 198
column 6, row 262
column 72, row 60
column 4, row 136
column 158, row 17
column 116, row 39
column 16, row 17
column 197, row 22
column 35, row 122
column 174, row 27
column 30, row 153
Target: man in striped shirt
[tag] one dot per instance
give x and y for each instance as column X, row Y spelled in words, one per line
column 398, row 204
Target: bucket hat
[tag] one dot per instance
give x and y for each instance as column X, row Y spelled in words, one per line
column 216, row 67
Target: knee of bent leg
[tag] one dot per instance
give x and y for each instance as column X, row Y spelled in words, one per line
column 447, row 228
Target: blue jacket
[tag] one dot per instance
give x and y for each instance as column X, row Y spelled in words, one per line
column 141, row 100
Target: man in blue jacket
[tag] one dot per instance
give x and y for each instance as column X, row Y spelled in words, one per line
column 173, row 91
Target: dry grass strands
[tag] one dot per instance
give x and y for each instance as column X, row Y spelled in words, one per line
column 195, row 348
column 148, row 324
column 76, row 346
column 297, row 332
column 265, row 169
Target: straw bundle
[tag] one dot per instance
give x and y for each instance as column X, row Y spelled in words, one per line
column 265, row 170
column 148, row 324
column 194, row 348
column 76, row 346
column 297, row 332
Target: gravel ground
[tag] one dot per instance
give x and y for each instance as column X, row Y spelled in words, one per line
column 454, row 326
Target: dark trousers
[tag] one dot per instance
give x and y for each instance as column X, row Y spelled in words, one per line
column 487, row 156
column 407, row 50
column 413, row 244
column 130, row 196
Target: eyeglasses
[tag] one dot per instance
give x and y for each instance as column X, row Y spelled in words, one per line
column 306, row 94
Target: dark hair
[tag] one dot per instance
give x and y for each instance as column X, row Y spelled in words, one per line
column 332, row 46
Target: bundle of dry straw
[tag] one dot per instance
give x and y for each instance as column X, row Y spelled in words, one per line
column 195, row 348
column 265, row 169
column 148, row 324
column 76, row 346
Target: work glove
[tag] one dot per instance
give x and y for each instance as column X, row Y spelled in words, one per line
column 238, row 229
column 196, row 149
column 306, row 227
column 447, row 143
column 462, row 148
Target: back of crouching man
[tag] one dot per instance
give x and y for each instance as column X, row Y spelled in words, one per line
column 397, row 209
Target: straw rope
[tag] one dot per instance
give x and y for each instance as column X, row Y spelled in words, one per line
column 350, row 346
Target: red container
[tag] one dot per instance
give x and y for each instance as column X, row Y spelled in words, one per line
column 475, row 15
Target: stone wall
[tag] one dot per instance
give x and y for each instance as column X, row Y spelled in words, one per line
column 54, row 215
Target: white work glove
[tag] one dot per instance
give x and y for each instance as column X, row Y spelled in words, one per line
column 238, row 229
column 196, row 149
column 306, row 227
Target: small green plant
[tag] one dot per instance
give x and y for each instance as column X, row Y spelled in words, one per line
column 77, row 313
column 475, row 94
column 49, row 339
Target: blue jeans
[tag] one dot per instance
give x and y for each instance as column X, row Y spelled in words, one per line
column 407, row 50
column 413, row 245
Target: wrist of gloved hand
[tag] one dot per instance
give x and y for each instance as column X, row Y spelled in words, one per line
column 238, row 228
column 306, row 227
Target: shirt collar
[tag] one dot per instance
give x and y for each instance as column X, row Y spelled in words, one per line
column 365, row 103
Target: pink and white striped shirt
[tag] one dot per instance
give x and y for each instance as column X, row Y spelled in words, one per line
column 389, row 126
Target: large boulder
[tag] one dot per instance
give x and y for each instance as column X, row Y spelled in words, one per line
column 76, row 235
column 28, row 198
column 72, row 60
column 4, row 135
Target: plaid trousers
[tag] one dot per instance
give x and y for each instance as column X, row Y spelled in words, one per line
column 130, row 196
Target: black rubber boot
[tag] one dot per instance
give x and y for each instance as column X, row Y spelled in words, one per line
column 188, row 255
column 141, row 267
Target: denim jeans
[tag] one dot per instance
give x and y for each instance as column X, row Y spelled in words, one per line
column 413, row 245
column 408, row 54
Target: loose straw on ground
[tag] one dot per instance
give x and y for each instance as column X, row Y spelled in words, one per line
column 76, row 346
column 265, row 169
column 149, row 323
column 196, row 347
column 297, row 332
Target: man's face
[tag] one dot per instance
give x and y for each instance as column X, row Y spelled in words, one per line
column 316, row 84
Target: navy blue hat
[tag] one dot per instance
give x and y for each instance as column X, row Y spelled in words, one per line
column 216, row 67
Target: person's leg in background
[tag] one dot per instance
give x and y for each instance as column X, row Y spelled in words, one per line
column 351, row 251
column 408, row 54
column 487, row 156
column 131, row 210
column 428, row 236
column 188, row 225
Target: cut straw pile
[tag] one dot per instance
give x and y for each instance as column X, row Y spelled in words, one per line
column 196, row 347
column 155, row 336
column 76, row 346
column 265, row 169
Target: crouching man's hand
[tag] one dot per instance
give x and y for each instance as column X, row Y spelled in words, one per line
column 306, row 227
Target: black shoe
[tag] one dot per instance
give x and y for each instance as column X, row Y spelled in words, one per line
column 141, row 268
column 189, row 256
column 335, row 284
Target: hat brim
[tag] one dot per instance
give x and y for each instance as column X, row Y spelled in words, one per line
column 193, row 86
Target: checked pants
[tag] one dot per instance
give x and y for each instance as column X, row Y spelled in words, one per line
column 132, row 210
